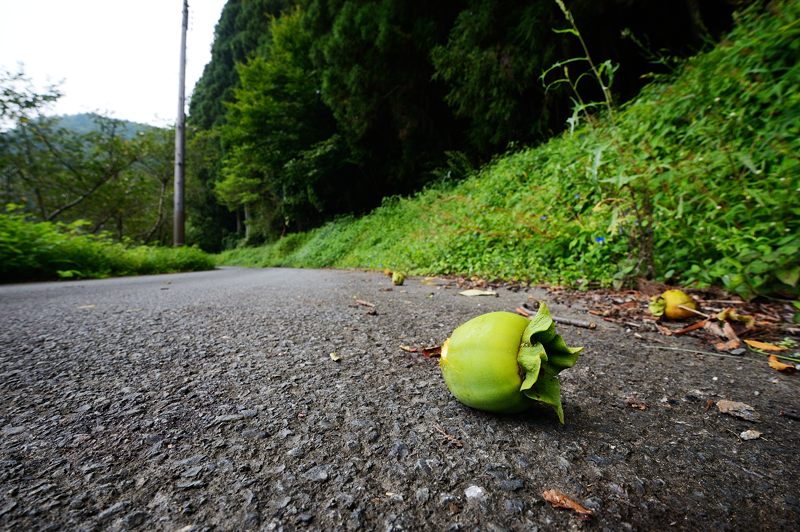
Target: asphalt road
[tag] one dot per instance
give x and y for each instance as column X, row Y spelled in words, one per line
column 211, row 400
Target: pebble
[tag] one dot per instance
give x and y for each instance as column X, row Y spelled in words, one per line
column 513, row 484
column 192, row 471
column 750, row 435
column 514, row 506
column 316, row 474
column 227, row 418
column 475, row 493
column 112, row 510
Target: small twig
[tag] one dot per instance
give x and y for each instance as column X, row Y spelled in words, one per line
column 696, row 352
column 724, row 301
column 575, row 323
column 452, row 439
column 693, row 327
column 365, row 303
column 706, row 316
column 525, row 311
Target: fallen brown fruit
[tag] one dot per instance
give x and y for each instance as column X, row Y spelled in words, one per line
column 670, row 303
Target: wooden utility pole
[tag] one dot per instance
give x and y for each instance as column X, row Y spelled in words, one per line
column 178, row 230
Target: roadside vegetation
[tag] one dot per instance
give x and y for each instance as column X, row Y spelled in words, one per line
column 46, row 251
column 694, row 182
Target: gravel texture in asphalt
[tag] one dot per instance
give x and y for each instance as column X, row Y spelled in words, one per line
column 211, row 400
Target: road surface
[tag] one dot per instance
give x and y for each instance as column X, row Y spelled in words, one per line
column 211, row 400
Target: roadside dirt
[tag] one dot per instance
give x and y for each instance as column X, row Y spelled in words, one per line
column 211, row 400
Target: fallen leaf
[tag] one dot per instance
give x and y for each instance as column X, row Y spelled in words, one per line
column 335, row 357
column 693, row 327
column 429, row 352
column 737, row 409
column 473, row 292
column 750, row 435
column 731, row 314
column 560, row 500
column 764, row 346
column 522, row 312
column 730, row 345
column 635, row 402
column 666, row 331
column 776, row 364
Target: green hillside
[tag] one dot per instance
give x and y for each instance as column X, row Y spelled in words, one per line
column 694, row 182
column 83, row 123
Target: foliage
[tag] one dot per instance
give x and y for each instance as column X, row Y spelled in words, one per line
column 371, row 99
column 496, row 50
column 283, row 156
column 32, row 250
column 715, row 147
column 376, row 77
column 242, row 28
column 115, row 174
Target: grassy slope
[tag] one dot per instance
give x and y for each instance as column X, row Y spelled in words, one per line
column 704, row 166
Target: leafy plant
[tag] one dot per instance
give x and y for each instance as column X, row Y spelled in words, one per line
column 45, row 250
column 695, row 179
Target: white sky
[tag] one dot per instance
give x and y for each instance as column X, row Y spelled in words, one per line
column 116, row 57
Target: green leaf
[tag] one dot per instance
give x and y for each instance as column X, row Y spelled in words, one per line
column 789, row 276
column 541, row 328
column 564, row 359
column 530, row 357
column 548, row 391
column 657, row 306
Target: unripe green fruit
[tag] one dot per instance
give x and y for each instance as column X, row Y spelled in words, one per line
column 501, row 362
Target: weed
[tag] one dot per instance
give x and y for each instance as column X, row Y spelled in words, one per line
column 44, row 250
column 694, row 182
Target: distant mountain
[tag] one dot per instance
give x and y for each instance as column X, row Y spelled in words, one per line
column 85, row 123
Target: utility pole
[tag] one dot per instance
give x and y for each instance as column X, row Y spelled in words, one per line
column 179, row 218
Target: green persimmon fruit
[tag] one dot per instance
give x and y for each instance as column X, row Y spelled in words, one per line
column 502, row 362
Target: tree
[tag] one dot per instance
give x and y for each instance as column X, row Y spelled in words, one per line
column 373, row 58
column 104, row 176
column 243, row 27
column 283, row 155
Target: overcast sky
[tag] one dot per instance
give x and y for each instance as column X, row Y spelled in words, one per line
column 116, row 57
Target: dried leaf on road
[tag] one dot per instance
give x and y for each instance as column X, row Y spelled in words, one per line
column 434, row 351
column 335, row 357
column 730, row 314
column 560, row 500
column 427, row 352
column 764, row 346
column 776, row 364
column 635, row 402
column 737, row 409
column 473, row 292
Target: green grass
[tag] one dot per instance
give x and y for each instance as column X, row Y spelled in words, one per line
column 43, row 250
column 697, row 178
